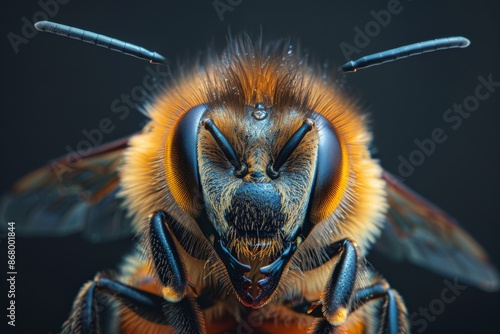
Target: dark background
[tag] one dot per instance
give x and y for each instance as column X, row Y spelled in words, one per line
column 54, row 88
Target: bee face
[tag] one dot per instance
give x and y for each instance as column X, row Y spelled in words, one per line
column 257, row 212
column 254, row 211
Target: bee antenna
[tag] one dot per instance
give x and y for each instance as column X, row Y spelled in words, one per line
column 405, row 51
column 100, row 40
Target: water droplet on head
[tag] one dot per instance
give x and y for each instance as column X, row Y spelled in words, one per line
column 260, row 111
column 259, row 114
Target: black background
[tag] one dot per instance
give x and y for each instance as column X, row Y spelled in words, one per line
column 53, row 88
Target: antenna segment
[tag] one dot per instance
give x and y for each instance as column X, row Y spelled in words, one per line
column 100, row 40
column 404, row 52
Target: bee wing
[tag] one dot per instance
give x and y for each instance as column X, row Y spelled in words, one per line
column 420, row 232
column 64, row 198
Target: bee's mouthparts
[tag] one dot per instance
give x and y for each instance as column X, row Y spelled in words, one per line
column 242, row 285
column 272, row 272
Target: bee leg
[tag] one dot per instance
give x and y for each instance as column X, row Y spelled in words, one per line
column 166, row 258
column 340, row 286
column 393, row 316
column 336, row 298
column 84, row 318
column 172, row 273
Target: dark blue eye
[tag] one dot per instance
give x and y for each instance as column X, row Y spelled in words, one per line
column 181, row 164
column 328, row 185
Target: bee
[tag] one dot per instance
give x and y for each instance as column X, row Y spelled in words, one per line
column 255, row 197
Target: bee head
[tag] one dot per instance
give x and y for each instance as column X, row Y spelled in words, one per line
column 261, row 160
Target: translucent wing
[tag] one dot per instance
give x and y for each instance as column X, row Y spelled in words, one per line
column 67, row 197
column 420, row 232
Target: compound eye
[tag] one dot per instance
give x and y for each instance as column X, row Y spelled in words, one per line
column 332, row 172
column 240, row 167
column 181, row 163
column 287, row 150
